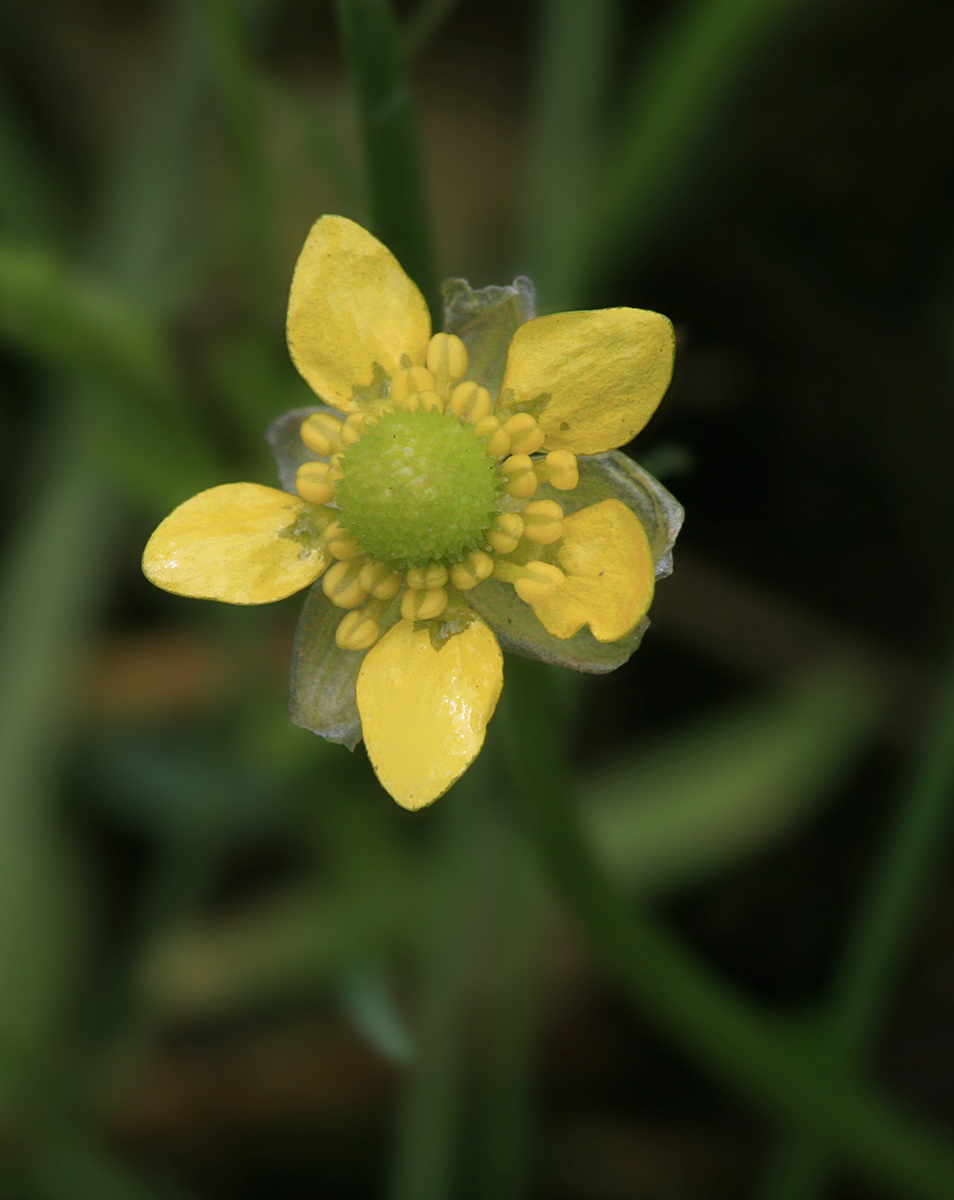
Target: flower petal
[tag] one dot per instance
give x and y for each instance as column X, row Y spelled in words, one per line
column 352, row 313
column 425, row 707
column 609, row 574
column 592, row 379
column 602, row 477
column 616, row 476
column 485, row 319
column 241, row 543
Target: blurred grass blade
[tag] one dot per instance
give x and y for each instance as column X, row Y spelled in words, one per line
column 800, row 1166
column 562, row 165
column 706, row 1016
column 149, row 242
column 368, row 999
column 682, row 88
column 51, row 585
column 424, row 22
column 240, row 101
column 382, row 90
column 709, row 797
column 31, row 207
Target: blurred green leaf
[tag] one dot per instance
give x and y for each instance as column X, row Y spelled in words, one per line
column 368, row 998
column 31, row 205
column 51, row 585
column 77, row 1169
column 704, row 799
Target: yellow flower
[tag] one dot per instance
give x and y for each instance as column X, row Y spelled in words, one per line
column 454, row 493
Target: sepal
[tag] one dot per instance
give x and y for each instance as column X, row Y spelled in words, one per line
column 485, row 319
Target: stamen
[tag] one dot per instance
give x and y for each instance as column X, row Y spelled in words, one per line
column 471, row 402
column 559, row 469
column 434, row 575
column 423, row 605
column 312, row 483
column 476, row 567
column 351, row 430
column 447, row 360
column 341, row 544
column 342, row 586
column 498, row 440
column 426, row 400
column 409, row 383
column 380, row 581
column 506, row 532
column 532, row 582
column 543, row 522
column 519, row 473
column 321, row 433
column 526, row 436
column 361, row 627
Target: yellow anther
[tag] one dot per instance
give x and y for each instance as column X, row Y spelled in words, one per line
column 321, row 433
column 341, row 544
column 498, row 440
column 335, row 472
column 341, row 585
column 409, row 383
column 447, row 360
column 543, row 522
column 423, row 605
column 560, row 469
column 312, row 483
column 506, row 532
column 351, row 430
column 426, row 400
column 476, row 567
column 532, row 582
column 434, row 575
column 519, row 473
column 471, row 402
column 380, row 581
column 361, row 628
column 526, row 436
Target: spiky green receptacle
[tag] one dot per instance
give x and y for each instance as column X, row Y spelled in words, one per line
column 418, row 487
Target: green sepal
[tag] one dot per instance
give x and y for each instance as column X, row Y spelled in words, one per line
column 288, row 450
column 485, row 319
column 323, row 676
column 602, row 477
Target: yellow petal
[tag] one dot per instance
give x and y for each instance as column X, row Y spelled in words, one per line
column 241, row 543
column 424, row 710
column 352, row 312
column 592, row 379
column 610, row 574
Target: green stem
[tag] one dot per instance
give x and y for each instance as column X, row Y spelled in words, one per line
column 511, row 1033
column 429, row 1121
column 799, row 1168
column 562, row 162
column 379, row 78
column 716, row 1025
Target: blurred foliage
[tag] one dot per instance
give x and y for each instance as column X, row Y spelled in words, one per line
column 142, row 269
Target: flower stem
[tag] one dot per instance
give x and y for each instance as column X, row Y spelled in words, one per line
column 378, row 71
column 711, row 1021
column 799, row 1167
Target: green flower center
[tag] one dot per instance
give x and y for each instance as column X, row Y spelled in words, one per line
column 417, row 487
